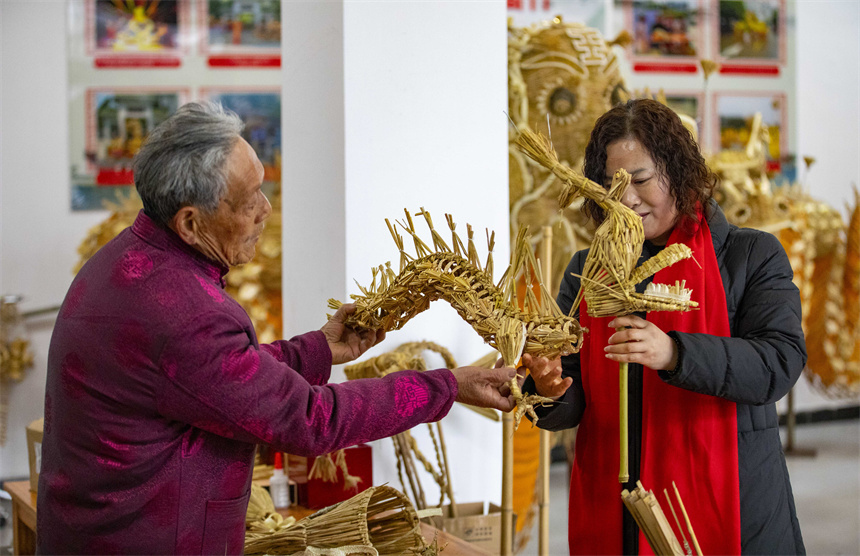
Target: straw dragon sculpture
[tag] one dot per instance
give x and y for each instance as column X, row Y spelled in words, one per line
column 455, row 275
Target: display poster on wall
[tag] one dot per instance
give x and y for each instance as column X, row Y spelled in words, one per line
column 734, row 117
column 132, row 64
column 246, row 33
column 690, row 104
column 751, row 37
column 591, row 13
column 261, row 112
column 666, row 35
column 117, row 121
column 136, row 34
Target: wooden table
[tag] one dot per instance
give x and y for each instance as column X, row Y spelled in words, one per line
column 24, row 525
column 23, row 517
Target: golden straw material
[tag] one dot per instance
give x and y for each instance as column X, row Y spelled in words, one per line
column 455, row 275
column 261, row 517
column 325, row 468
column 646, row 510
column 708, row 67
column 610, row 275
column 380, row 517
column 405, row 356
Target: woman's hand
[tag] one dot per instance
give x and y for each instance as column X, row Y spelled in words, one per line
column 345, row 343
column 547, row 375
column 641, row 342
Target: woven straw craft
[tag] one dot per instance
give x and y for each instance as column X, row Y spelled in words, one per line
column 456, row 275
column 610, row 274
column 380, row 517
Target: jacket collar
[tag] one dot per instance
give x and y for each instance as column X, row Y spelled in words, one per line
column 720, row 227
column 166, row 239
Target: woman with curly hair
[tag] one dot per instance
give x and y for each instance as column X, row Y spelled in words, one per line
column 703, row 384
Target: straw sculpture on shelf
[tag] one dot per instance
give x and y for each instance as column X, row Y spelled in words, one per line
column 455, row 274
column 610, row 273
column 380, row 518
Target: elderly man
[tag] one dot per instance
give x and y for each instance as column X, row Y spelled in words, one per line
column 158, row 391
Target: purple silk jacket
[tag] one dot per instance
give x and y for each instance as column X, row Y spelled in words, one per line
column 158, row 393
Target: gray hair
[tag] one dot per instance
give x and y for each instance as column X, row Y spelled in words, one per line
column 183, row 161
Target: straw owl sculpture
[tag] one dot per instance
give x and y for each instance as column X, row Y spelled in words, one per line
column 455, row 274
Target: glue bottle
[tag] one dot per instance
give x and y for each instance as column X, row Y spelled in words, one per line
column 278, row 484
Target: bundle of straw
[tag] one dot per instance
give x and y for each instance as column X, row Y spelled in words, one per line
column 646, row 510
column 261, row 519
column 455, row 275
column 380, row 517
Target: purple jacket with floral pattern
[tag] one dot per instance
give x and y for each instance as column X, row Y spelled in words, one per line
column 158, row 393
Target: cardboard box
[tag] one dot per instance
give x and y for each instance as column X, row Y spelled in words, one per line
column 34, row 451
column 316, row 493
column 474, row 525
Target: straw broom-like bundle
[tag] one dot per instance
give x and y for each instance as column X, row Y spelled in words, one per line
column 380, row 517
column 610, row 275
column 455, row 275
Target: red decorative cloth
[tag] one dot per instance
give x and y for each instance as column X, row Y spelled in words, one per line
column 687, row 438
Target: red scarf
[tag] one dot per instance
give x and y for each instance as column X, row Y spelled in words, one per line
column 687, row 437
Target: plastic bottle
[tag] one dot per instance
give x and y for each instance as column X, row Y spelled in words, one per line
column 279, row 484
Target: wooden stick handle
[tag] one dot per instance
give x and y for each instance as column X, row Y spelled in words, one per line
column 545, row 440
column 507, row 484
column 624, row 470
column 687, row 519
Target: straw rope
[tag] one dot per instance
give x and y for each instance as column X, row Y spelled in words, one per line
column 410, row 356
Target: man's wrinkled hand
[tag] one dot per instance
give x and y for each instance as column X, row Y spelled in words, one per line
column 345, row 343
column 483, row 387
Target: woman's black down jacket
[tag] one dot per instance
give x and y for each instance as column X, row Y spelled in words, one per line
column 754, row 368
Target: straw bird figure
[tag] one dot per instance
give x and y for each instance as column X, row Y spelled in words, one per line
column 455, row 274
column 610, row 274
column 562, row 75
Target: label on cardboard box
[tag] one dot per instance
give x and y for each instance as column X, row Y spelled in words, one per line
column 474, row 525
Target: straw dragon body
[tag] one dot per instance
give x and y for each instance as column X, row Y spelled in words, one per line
column 455, row 275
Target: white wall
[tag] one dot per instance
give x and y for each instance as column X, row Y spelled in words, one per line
column 38, row 234
column 426, row 91
column 828, row 97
